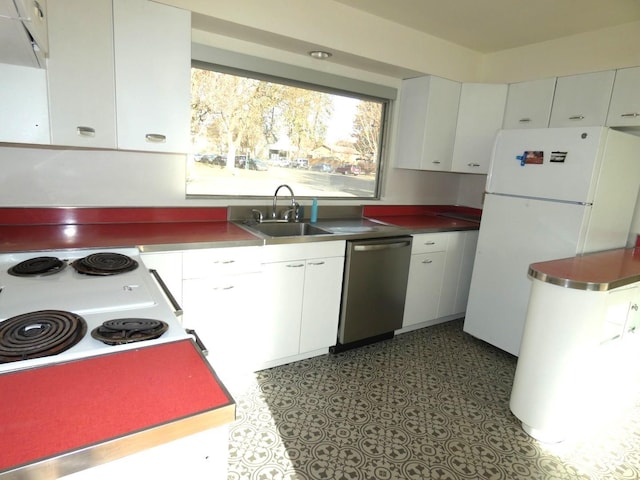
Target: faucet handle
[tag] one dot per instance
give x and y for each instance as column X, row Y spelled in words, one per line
column 257, row 215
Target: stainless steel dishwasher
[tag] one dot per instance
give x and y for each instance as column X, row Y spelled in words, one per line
column 374, row 289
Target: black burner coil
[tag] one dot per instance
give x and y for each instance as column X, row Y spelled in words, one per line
column 129, row 330
column 105, row 263
column 39, row 334
column 38, row 266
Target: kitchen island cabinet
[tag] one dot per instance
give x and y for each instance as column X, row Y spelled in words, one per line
column 580, row 343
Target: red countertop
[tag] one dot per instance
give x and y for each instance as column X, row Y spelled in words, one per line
column 23, row 229
column 593, row 271
column 426, row 217
column 157, row 385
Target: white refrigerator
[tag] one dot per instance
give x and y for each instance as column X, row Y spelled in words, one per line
column 551, row 193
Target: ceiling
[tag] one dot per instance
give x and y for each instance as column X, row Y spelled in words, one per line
column 492, row 25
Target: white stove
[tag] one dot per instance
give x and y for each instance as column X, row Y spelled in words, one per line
column 96, row 298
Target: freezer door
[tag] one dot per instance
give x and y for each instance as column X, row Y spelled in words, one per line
column 554, row 163
column 515, row 233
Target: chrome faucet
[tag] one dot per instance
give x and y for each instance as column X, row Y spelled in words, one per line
column 294, row 204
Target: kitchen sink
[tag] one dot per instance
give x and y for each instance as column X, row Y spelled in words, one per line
column 287, row 229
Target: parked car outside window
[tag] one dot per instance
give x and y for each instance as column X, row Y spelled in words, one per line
column 349, row 170
column 321, row 167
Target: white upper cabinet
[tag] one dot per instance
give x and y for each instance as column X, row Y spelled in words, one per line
column 119, row 75
column 153, row 75
column 35, row 14
column 80, row 68
column 624, row 109
column 582, row 100
column 428, row 112
column 529, row 104
column 479, row 119
column 24, row 116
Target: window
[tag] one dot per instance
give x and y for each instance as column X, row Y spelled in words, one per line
column 251, row 133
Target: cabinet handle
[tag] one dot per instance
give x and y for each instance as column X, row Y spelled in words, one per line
column 436, row 161
column 427, row 261
column 86, row 131
column 630, row 115
column 295, row 265
column 576, row 117
column 524, row 120
column 316, row 263
column 227, row 262
column 430, row 242
column 228, row 287
column 473, row 164
column 155, row 137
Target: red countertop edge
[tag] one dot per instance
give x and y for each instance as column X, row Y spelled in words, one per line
column 598, row 271
column 108, row 215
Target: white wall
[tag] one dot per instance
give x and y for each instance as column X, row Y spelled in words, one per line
column 60, row 177
column 605, row 49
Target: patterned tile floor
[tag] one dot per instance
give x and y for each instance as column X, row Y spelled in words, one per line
column 429, row 404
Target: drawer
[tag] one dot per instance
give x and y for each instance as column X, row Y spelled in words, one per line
column 302, row 251
column 430, row 242
column 212, row 262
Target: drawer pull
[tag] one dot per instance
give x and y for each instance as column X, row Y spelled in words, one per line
column 155, row 137
column 524, row 120
column 227, row 262
column 430, row 242
column 295, row 265
column 316, row 263
column 86, row 131
column 630, row 115
column 576, row 117
column 473, row 164
column 427, row 261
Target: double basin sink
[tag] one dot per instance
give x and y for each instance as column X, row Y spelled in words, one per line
column 285, row 229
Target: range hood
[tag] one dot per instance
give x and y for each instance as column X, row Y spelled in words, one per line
column 23, row 32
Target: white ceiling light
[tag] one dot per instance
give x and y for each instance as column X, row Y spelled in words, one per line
column 319, row 54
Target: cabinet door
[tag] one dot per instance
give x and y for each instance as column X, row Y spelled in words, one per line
column 624, row 109
column 427, row 122
column 153, row 75
column 423, row 288
column 225, row 314
column 529, row 104
column 582, row 100
column 321, row 305
column 24, row 115
column 466, row 269
column 81, row 73
column 282, row 309
column 479, row 119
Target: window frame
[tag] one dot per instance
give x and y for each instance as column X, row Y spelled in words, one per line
column 211, row 58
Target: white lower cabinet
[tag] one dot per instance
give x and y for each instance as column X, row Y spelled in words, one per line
column 303, row 284
column 439, row 276
column 257, row 307
column 222, row 301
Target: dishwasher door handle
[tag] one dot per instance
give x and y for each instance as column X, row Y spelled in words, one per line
column 381, row 246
